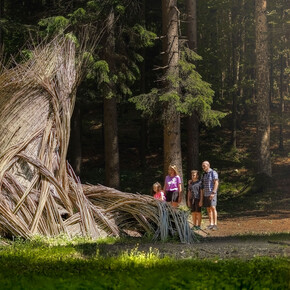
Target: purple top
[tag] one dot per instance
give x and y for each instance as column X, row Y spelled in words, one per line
column 171, row 183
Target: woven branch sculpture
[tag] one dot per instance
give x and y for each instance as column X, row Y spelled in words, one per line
column 39, row 192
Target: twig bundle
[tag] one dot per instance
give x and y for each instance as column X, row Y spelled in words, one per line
column 39, row 192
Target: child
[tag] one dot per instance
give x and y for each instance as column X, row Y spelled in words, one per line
column 172, row 186
column 157, row 192
column 194, row 200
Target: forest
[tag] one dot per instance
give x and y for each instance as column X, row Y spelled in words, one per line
column 166, row 80
column 99, row 97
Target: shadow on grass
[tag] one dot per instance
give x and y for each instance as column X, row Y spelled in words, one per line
column 284, row 238
column 16, row 273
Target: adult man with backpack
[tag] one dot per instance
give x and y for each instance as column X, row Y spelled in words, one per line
column 209, row 187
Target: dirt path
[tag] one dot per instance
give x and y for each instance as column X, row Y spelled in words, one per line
column 259, row 231
column 209, row 248
column 251, row 233
column 255, row 232
column 235, row 226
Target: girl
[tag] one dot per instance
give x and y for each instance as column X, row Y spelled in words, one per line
column 172, row 186
column 157, row 192
column 194, row 200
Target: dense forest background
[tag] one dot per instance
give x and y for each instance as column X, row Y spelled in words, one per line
column 169, row 82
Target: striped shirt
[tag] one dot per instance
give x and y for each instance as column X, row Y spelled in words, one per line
column 208, row 181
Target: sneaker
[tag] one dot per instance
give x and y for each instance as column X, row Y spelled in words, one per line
column 209, row 227
column 195, row 228
column 214, row 228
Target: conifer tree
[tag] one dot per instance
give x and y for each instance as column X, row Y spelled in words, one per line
column 111, row 144
column 171, row 133
column 193, row 120
column 262, row 88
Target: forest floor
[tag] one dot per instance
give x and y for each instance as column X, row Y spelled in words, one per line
column 256, row 224
column 272, row 216
column 249, row 225
column 244, row 234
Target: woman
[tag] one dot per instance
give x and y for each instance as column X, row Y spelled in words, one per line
column 172, row 186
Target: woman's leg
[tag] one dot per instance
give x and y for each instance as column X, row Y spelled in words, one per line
column 198, row 218
column 192, row 217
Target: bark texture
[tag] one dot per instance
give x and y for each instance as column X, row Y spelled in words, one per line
column 172, row 144
column 262, row 89
column 111, row 143
column 112, row 171
column 193, row 120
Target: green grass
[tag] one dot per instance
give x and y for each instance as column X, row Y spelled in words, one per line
column 79, row 264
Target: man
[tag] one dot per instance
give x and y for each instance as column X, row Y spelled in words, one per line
column 210, row 183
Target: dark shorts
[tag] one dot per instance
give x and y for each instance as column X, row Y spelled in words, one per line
column 172, row 196
column 208, row 203
column 195, row 206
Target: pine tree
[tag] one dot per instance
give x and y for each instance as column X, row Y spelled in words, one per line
column 262, row 88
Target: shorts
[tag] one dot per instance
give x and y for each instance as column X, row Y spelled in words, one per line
column 195, row 205
column 172, row 196
column 208, row 203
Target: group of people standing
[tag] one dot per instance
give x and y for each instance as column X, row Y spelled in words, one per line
column 201, row 192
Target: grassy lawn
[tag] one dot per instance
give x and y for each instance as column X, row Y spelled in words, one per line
column 79, row 264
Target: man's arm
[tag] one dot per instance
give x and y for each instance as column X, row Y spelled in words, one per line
column 215, row 186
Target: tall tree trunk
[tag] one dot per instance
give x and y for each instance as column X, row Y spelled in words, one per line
column 262, row 90
column 242, row 93
column 234, row 120
column 112, row 171
column 171, row 133
column 1, row 16
column 235, row 69
column 143, row 141
column 112, row 166
column 143, row 147
column 193, row 120
column 283, row 77
column 192, row 143
column 271, row 63
column 282, row 107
